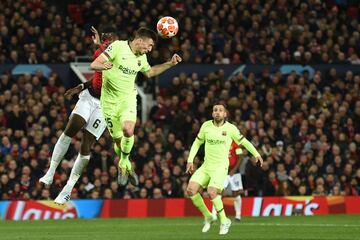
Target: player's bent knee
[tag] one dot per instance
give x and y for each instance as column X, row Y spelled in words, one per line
column 128, row 133
column 84, row 149
column 75, row 124
column 86, row 144
column 191, row 191
column 212, row 193
column 128, row 128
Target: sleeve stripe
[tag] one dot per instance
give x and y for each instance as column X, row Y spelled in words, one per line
column 107, row 55
column 242, row 137
column 198, row 138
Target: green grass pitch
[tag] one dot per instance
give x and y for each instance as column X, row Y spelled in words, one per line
column 316, row 227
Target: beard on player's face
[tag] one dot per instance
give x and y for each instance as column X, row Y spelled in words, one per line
column 219, row 120
column 218, row 117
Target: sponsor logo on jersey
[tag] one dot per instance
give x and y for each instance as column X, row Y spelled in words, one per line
column 224, row 133
column 139, row 63
column 128, row 71
column 215, row 141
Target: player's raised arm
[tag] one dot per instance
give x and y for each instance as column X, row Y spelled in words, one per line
column 241, row 140
column 160, row 68
column 96, row 36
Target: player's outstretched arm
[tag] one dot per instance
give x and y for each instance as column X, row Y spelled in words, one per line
column 101, row 63
column 160, row 68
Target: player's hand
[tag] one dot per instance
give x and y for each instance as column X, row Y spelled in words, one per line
column 96, row 37
column 72, row 91
column 259, row 159
column 175, row 59
column 107, row 65
column 189, row 168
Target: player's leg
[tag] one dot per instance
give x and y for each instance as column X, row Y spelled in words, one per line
column 75, row 124
column 81, row 162
column 122, row 172
column 193, row 192
column 237, row 205
column 237, row 187
column 214, row 190
column 127, row 142
column 128, row 120
column 198, row 180
column 93, row 130
column 116, row 131
column 78, row 118
column 226, row 184
column 112, row 114
column 213, row 212
column 125, row 171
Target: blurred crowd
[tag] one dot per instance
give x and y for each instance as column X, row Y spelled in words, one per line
column 306, row 128
column 220, row 32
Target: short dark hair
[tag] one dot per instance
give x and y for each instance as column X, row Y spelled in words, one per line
column 146, row 33
column 220, row 103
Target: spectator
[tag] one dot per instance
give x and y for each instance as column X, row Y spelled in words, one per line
column 157, row 194
column 248, row 40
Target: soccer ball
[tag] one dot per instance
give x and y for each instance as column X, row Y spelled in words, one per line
column 167, row 27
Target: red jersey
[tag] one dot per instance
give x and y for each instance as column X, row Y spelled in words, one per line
column 234, row 153
column 97, row 77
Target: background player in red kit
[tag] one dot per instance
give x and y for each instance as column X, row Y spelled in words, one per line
column 86, row 115
column 234, row 179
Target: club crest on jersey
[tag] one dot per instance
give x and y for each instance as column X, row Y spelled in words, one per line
column 139, row 63
column 224, row 133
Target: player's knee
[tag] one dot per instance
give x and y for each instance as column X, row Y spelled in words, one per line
column 70, row 131
column 75, row 124
column 128, row 131
column 85, row 148
column 190, row 191
column 212, row 193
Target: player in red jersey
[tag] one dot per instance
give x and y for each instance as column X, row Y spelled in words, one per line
column 234, row 179
column 86, row 115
